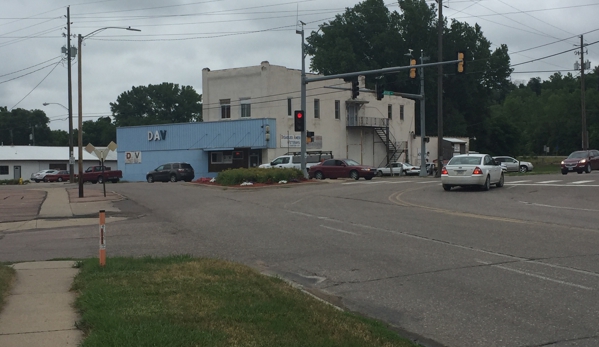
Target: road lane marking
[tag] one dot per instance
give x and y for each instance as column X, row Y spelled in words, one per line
column 558, row 207
column 514, row 182
column 535, row 275
column 582, row 182
column 550, row 185
column 339, row 230
column 429, row 182
column 553, row 181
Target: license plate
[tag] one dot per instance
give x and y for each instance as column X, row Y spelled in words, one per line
column 459, row 172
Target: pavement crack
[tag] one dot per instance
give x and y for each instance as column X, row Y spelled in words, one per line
column 561, row 341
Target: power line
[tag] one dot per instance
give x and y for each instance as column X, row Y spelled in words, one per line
column 29, row 73
column 27, row 68
column 37, row 85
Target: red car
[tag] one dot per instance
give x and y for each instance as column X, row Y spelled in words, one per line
column 339, row 168
column 58, row 176
column 581, row 161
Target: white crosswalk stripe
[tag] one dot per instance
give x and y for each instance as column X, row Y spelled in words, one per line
column 553, row 181
column 515, row 182
column 582, row 182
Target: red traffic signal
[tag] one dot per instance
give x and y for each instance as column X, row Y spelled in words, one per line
column 299, row 121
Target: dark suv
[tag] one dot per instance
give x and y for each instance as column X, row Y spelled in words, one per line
column 171, row 172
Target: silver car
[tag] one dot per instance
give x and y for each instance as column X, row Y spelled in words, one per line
column 472, row 170
column 514, row 165
column 39, row 176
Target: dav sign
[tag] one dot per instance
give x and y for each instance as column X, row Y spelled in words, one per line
column 158, row 135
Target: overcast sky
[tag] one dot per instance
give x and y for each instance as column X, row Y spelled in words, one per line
column 179, row 38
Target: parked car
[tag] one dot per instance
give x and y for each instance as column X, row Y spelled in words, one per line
column 101, row 174
column 171, row 172
column 472, row 170
column 411, row 170
column 581, row 161
column 386, row 171
column 58, row 176
column 514, row 165
column 39, row 176
column 336, row 168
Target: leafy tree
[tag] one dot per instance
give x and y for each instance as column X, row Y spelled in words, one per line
column 157, row 104
column 23, row 127
column 60, row 138
column 99, row 132
column 369, row 36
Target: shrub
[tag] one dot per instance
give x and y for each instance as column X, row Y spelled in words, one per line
column 233, row 177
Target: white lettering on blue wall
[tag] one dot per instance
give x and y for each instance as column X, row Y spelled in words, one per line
column 158, row 135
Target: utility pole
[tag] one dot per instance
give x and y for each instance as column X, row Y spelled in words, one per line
column 585, row 144
column 423, row 171
column 303, row 104
column 440, row 27
column 69, row 56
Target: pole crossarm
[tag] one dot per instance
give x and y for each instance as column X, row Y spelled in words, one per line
column 379, row 71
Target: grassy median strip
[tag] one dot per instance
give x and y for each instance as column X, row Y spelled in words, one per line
column 185, row 301
column 7, row 276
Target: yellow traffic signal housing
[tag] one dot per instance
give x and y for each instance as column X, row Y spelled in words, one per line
column 413, row 73
column 462, row 64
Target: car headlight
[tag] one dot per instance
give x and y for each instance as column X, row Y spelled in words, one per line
column 365, row 169
column 562, row 162
column 583, row 161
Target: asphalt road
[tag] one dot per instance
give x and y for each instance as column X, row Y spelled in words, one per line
column 514, row 266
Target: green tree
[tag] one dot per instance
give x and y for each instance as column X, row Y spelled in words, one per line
column 99, row 132
column 59, row 138
column 23, row 127
column 369, row 36
column 157, row 104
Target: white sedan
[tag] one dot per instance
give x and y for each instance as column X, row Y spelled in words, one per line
column 472, row 170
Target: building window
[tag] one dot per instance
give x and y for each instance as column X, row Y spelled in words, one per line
column 220, row 158
column 400, row 112
column 225, row 108
column 316, row 108
column 3, row 169
column 337, row 109
column 289, row 109
column 246, row 108
column 390, row 111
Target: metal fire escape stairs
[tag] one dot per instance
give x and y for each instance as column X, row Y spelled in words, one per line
column 394, row 148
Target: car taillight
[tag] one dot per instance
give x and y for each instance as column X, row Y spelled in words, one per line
column 444, row 171
column 477, row 171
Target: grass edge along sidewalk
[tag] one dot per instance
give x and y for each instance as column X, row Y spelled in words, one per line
column 185, row 301
column 7, row 278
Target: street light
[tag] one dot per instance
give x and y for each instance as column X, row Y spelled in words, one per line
column 71, row 158
column 80, row 132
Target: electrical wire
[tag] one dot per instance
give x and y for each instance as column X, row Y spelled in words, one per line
column 29, row 73
column 37, row 85
column 27, row 68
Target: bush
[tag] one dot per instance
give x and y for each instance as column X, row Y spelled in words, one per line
column 12, row 182
column 233, row 177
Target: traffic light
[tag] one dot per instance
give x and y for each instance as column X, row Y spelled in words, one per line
column 379, row 88
column 300, row 120
column 462, row 64
column 355, row 89
column 309, row 136
column 413, row 71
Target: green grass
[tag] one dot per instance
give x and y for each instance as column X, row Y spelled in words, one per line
column 183, row 301
column 542, row 165
column 7, row 276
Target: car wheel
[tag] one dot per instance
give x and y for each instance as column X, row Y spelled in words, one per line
column 487, row 184
column 564, row 172
column 368, row 178
column 501, row 181
column 354, row 175
column 150, row 179
column 523, row 169
column 379, row 173
column 37, row 181
column 447, row 187
column 100, row 179
column 59, row 179
column 588, row 168
column 173, row 178
column 318, row 175
column 46, row 180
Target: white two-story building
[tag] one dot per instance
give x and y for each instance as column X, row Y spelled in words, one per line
column 352, row 128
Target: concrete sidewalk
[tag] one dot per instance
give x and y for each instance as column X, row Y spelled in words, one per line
column 39, row 310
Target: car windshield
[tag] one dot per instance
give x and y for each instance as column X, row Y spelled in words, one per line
column 465, row 161
column 577, row 155
column 351, row 162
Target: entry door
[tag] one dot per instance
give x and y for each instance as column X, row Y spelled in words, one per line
column 17, row 170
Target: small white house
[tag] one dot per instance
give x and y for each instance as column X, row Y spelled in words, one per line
column 22, row 161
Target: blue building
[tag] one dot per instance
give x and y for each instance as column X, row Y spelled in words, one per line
column 210, row 147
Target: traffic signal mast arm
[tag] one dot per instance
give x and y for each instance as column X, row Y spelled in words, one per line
column 374, row 72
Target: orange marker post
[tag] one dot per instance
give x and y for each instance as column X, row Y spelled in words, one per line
column 102, row 238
